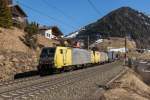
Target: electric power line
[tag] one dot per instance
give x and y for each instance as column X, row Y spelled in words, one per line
column 94, row 7
column 43, row 14
column 59, row 10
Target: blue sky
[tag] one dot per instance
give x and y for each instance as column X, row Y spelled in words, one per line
column 70, row 15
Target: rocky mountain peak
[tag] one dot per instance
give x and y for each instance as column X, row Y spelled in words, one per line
column 119, row 23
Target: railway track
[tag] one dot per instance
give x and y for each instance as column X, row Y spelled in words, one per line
column 11, row 82
column 29, row 88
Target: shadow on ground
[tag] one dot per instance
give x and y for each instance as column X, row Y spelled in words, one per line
column 26, row 74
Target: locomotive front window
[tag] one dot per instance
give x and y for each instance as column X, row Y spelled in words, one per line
column 61, row 51
column 48, row 52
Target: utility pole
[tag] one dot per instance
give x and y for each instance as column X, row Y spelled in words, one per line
column 125, row 48
column 88, row 42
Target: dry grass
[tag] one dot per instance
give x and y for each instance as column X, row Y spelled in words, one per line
column 143, row 56
column 46, row 42
column 122, row 94
column 117, row 42
column 128, row 87
column 133, row 82
column 12, row 47
column 10, row 40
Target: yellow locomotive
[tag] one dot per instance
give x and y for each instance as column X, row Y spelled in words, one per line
column 64, row 58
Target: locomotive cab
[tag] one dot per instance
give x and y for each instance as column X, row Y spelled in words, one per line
column 54, row 58
column 46, row 60
column 47, row 56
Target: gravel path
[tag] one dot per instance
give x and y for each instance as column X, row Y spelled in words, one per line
column 77, row 85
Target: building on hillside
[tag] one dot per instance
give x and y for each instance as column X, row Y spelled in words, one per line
column 121, row 50
column 19, row 17
column 9, row 2
column 52, row 32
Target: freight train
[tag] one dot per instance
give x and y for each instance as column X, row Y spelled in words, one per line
column 67, row 58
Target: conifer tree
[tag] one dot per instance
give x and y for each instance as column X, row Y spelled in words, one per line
column 5, row 14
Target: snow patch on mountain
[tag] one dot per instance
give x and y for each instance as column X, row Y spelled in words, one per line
column 73, row 35
column 99, row 41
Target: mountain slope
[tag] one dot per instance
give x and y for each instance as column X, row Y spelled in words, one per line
column 118, row 23
column 11, row 39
